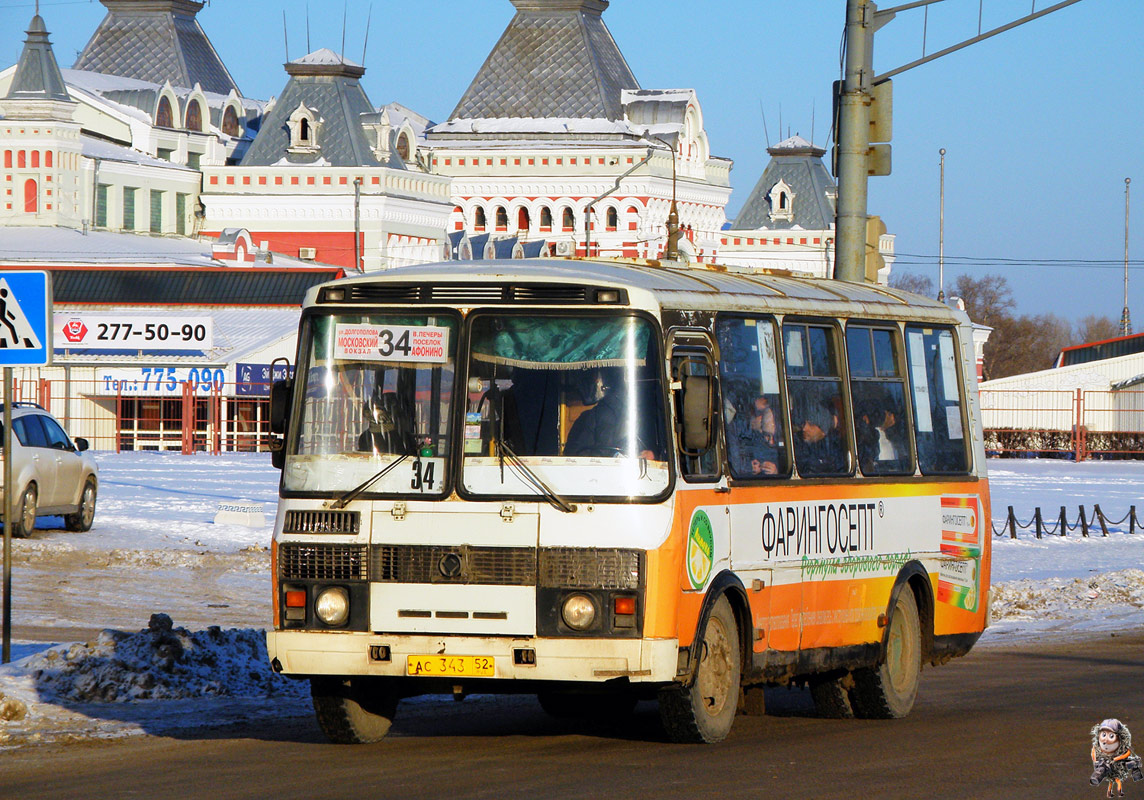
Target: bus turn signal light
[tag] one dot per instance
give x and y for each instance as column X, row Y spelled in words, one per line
column 296, row 598
column 625, row 605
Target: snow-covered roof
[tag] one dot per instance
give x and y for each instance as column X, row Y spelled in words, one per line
column 325, row 56
column 70, row 246
column 107, row 151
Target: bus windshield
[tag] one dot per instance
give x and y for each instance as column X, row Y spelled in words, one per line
column 577, row 399
column 377, row 389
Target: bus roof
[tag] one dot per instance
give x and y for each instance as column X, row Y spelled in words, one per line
column 670, row 285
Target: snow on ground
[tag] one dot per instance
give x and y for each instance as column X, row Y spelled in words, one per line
column 172, row 605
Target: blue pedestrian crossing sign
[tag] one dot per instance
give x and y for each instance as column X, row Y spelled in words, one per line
column 25, row 318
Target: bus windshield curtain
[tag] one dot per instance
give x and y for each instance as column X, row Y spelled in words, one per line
column 561, row 343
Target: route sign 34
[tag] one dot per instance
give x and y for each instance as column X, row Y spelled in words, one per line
column 157, row 332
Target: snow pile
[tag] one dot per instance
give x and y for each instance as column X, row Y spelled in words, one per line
column 1101, row 602
column 160, row 663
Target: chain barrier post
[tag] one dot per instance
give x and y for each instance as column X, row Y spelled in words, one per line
column 1012, row 523
column 1083, row 523
column 1039, row 522
column 1100, row 516
column 1132, row 519
column 1062, row 523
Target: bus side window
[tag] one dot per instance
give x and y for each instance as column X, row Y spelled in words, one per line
column 878, row 390
column 701, row 465
column 938, row 413
column 751, row 398
column 817, row 407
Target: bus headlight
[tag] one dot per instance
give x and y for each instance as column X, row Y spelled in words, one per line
column 333, row 606
column 578, row 611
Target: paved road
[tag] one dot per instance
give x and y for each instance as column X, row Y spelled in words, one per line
column 1005, row 722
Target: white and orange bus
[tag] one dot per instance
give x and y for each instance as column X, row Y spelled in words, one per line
column 607, row 481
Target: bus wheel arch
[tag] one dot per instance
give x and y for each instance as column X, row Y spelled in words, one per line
column 912, row 577
column 725, row 584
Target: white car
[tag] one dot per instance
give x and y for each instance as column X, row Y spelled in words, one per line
column 55, row 477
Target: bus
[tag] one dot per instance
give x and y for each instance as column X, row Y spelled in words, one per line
column 609, row 481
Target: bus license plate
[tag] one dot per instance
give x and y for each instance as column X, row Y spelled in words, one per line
column 450, row 666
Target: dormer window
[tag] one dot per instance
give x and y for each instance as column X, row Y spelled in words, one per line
column 305, row 130
column 403, row 146
column 164, row 117
column 194, row 116
column 782, row 202
column 230, row 122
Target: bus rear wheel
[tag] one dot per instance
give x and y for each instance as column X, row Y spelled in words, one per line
column 352, row 712
column 831, row 695
column 704, row 711
column 888, row 691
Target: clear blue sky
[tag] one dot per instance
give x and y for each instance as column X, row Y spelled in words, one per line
column 1041, row 124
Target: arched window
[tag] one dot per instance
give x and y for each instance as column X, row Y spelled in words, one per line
column 613, row 219
column 48, row 158
column 164, row 118
column 545, row 218
column 35, row 159
column 304, row 131
column 567, row 221
column 502, row 218
column 230, row 122
column 31, row 197
column 403, row 146
column 22, row 159
column 522, row 219
column 194, row 116
column 479, row 219
column 782, row 201
column 7, row 159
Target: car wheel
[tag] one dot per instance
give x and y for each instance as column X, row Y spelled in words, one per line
column 26, row 513
column 81, row 520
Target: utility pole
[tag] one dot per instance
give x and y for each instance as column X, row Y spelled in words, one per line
column 862, row 122
column 853, row 142
column 1125, row 319
column 941, row 235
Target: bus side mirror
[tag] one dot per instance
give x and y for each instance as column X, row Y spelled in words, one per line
column 697, row 405
column 280, row 392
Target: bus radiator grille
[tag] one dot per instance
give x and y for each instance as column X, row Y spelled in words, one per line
column 341, row 562
column 487, row 566
column 303, row 521
column 589, row 568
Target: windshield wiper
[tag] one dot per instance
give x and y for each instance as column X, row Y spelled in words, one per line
column 352, row 494
column 505, row 453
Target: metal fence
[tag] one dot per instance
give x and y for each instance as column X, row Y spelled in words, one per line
column 210, row 416
column 1081, row 423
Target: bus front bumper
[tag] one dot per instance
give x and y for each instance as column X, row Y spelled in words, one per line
column 307, row 653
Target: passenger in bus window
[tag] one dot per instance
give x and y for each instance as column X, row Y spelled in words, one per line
column 603, row 429
column 818, row 443
column 752, row 444
column 881, row 446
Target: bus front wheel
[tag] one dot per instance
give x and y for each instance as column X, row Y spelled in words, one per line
column 888, row 690
column 705, row 710
column 349, row 712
